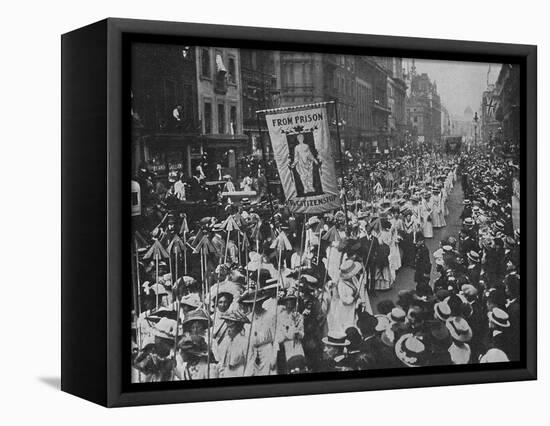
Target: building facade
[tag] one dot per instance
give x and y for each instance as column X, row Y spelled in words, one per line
column 507, row 111
column 218, row 79
column 424, row 110
column 163, row 79
column 259, row 92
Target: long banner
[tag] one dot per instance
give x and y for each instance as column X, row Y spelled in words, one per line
column 302, row 148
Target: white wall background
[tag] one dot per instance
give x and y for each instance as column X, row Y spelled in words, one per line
column 30, row 224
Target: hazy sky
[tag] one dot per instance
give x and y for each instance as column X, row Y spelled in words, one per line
column 460, row 84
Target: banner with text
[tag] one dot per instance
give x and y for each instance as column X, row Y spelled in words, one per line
column 302, row 148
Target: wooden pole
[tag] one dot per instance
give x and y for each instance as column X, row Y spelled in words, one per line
column 252, row 318
column 342, row 173
column 157, row 277
column 185, row 253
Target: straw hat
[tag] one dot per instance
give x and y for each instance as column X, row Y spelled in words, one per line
column 191, row 299
column 336, row 339
column 165, row 328
column 235, row 315
column 459, row 329
column 196, row 315
column 499, row 318
column 410, row 350
column 383, row 322
column 442, row 311
column 494, row 355
column 349, row 269
column 397, row 315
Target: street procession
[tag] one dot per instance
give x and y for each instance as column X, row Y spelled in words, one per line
column 299, row 248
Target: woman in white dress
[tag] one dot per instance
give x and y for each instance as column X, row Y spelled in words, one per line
column 426, row 209
column 395, row 254
column 438, row 212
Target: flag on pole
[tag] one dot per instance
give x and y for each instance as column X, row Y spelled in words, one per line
column 301, row 145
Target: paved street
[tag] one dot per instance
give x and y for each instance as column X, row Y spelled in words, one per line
column 405, row 276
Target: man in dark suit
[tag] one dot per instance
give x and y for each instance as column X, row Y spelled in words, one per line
column 370, row 346
column 369, row 251
column 422, row 264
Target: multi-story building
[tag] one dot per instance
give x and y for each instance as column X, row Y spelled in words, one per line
column 218, row 80
column 424, row 109
column 489, row 124
column 304, row 77
column 396, row 95
column 507, row 111
column 163, row 78
column 259, row 92
column 463, row 125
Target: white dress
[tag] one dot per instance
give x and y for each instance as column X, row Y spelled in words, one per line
column 438, row 213
column 426, row 218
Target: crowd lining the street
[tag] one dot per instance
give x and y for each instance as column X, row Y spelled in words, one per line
column 256, row 290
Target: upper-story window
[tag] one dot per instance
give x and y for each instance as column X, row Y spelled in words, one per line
column 232, row 70
column 205, row 63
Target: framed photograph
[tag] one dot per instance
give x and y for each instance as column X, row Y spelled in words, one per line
column 253, row 212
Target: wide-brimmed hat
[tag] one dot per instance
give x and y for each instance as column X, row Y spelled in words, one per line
column 335, row 339
column 382, row 323
column 499, row 317
column 473, row 256
column 259, row 296
column 196, row 315
column 235, row 315
column 191, row 299
column 494, row 355
column 349, row 269
column 468, row 222
column 163, row 312
column 460, row 329
column 442, row 311
column 469, row 291
column 499, row 226
column 410, row 350
column 165, row 328
column 388, row 337
column 397, row 315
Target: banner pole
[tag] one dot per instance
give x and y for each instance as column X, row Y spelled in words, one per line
column 341, row 163
column 265, row 166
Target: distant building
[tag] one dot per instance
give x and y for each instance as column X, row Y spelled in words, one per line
column 463, row 125
column 424, row 109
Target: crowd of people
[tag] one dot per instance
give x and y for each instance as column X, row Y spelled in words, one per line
column 256, row 290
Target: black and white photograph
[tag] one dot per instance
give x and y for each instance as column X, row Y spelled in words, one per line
column 245, row 264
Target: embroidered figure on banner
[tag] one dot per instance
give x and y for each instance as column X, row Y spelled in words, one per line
column 304, row 162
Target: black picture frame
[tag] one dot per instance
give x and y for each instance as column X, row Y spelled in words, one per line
column 95, row 214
